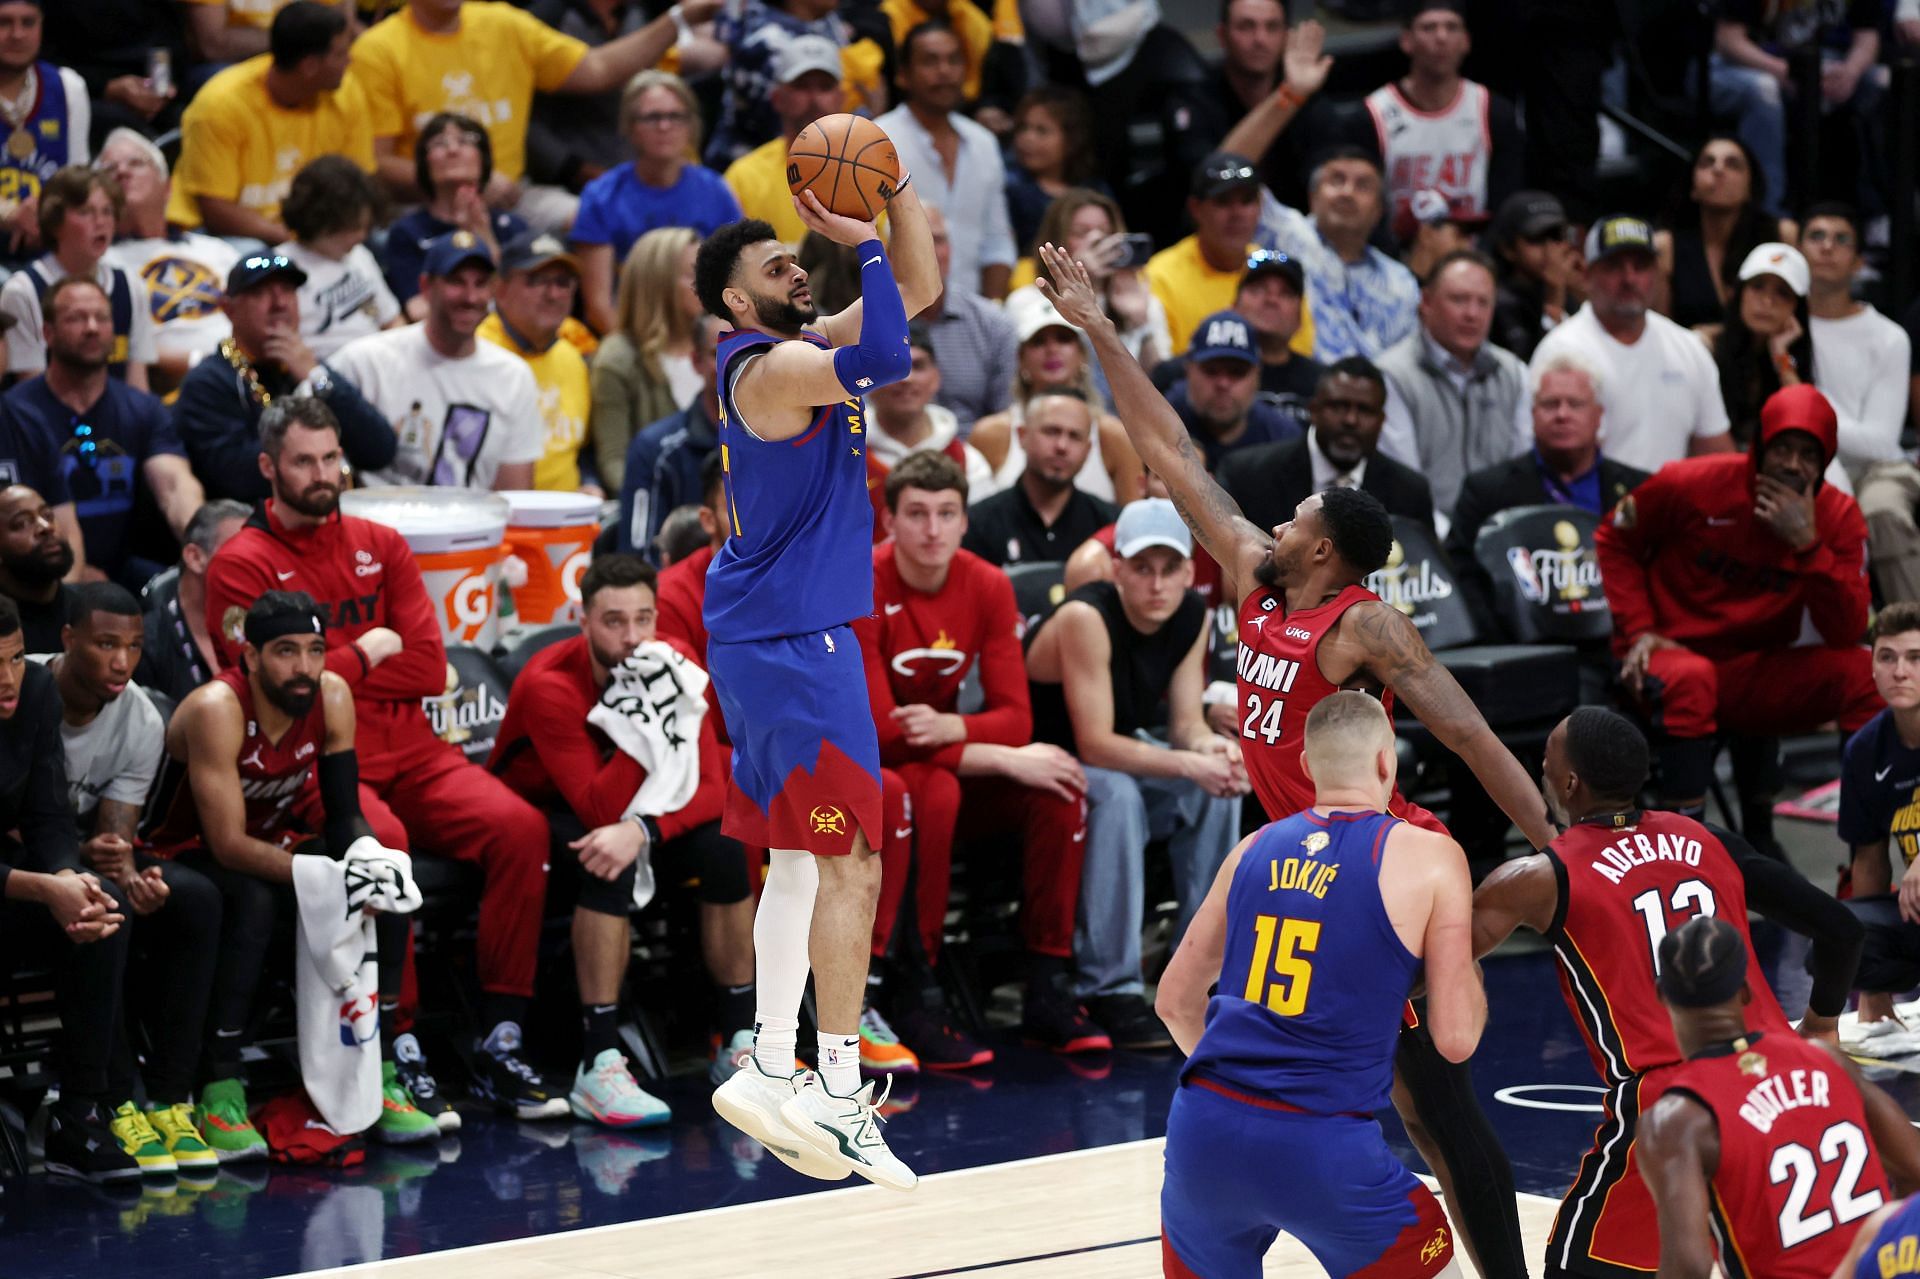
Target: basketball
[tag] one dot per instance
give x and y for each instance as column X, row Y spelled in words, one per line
column 847, row 161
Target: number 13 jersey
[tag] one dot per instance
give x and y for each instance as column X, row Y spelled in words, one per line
column 1626, row 880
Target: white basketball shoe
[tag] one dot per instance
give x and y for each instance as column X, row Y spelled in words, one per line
column 847, row 1131
column 751, row 1100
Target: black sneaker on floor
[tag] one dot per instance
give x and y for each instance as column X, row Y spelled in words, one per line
column 937, row 1042
column 1054, row 1020
column 514, row 1087
column 78, row 1143
column 410, row 1064
column 1130, row 1023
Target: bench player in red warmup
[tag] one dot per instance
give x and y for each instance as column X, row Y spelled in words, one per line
column 1764, row 1146
column 1307, row 629
column 782, row 594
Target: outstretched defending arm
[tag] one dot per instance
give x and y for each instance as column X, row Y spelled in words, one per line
column 1158, row 434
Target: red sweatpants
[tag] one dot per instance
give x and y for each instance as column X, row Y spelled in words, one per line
column 452, row 808
column 1776, row 691
column 948, row 807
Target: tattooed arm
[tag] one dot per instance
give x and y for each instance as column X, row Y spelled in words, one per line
column 1158, row 434
column 1393, row 652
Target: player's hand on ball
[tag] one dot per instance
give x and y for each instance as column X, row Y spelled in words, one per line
column 851, row 232
column 1071, row 289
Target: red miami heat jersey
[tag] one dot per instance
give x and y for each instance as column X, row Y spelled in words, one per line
column 272, row 775
column 1798, row 1171
column 1627, row 881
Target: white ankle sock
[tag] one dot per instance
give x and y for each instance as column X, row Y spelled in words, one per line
column 780, row 930
column 839, row 1064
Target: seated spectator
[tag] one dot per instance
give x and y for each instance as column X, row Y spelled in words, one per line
column 903, row 419
column 1879, row 784
column 681, row 536
column 1709, row 233
column 663, row 465
column 1087, row 223
column 1763, row 341
column 1093, row 561
column 972, row 336
column 1102, row 666
column 57, row 909
column 1660, row 392
column 1219, row 398
column 1536, row 264
column 805, row 85
column 485, row 61
column 663, row 187
column 1042, row 515
column 1341, row 449
column 385, row 642
column 1200, row 274
column 34, row 558
column 464, row 413
column 645, row 369
column 1361, row 300
column 78, row 210
column 1564, row 467
column 329, row 210
column 683, row 583
column 939, row 614
column 1052, row 354
column 107, row 441
column 1455, row 402
column 111, row 737
column 217, row 413
column 50, row 135
column 1052, row 155
column 259, row 761
column 1272, row 298
column 1439, row 131
column 1711, row 569
column 183, row 270
column 755, row 32
column 538, row 282
column 178, row 655
column 1437, row 232
column 570, row 744
column 256, row 124
column 975, row 29
column 453, row 167
column 1858, row 355
column 955, row 162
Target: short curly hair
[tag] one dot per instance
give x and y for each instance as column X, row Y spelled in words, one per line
column 1359, row 527
column 719, row 254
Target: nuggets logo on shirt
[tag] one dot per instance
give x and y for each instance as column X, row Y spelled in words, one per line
column 180, row 289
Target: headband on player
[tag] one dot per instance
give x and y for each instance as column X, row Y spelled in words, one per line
column 278, row 614
column 1703, row 963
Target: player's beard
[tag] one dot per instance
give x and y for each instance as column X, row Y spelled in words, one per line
column 316, row 501
column 295, row 696
column 783, row 315
column 1269, row 572
column 608, row 661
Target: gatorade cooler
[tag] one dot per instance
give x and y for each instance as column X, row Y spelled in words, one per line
column 552, row 534
column 458, row 538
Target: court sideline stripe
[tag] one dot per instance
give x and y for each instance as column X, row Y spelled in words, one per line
column 979, row 1266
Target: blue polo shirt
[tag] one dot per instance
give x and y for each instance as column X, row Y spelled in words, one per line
column 617, row 208
column 1880, row 791
column 125, row 427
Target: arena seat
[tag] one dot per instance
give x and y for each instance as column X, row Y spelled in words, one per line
column 1546, row 575
column 514, row 657
column 1037, row 590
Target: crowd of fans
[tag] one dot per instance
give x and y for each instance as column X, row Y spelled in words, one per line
column 262, row 253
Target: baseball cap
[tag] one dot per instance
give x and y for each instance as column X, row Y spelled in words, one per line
column 1782, row 260
column 1528, row 215
column 531, row 250
column 1221, row 172
column 446, row 252
column 803, row 54
column 1273, row 262
column 1224, row 335
column 1618, row 233
column 1031, row 312
column 1150, row 522
column 258, row 269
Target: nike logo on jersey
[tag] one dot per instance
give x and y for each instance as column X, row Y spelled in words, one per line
column 1881, row 775
column 289, row 573
column 894, row 608
column 904, row 834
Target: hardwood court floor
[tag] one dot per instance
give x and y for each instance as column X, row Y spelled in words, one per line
column 1086, row 1214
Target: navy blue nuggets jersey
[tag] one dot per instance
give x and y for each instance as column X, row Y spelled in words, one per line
column 801, row 556
column 1895, row 1249
column 1314, row 979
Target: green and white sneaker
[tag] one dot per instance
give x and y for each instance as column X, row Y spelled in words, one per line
column 401, row 1123
column 223, row 1122
column 174, row 1125
column 751, row 1101
column 846, row 1130
column 142, row 1144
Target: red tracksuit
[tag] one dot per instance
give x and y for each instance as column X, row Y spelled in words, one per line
column 363, row 575
column 918, row 649
column 1684, row 556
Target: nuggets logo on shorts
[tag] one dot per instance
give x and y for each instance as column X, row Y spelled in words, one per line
column 829, row 821
column 1434, row 1246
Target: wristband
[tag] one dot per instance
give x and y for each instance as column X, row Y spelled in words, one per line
column 1288, row 98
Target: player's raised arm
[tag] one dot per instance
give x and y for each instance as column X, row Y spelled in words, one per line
column 915, row 268
column 1679, row 1150
column 1158, row 434
column 1394, row 653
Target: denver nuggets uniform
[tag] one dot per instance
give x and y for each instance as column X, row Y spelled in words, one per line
column 1272, row 1128
column 1895, row 1249
column 781, row 596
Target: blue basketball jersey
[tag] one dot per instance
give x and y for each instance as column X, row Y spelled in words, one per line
column 800, row 558
column 46, row 139
column 1314, row 979
column 1895, row 1249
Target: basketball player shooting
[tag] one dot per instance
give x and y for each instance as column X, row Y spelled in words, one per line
column 1307, row 629
column 781, row 595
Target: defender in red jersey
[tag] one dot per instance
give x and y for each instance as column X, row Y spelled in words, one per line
column 1766, row 1148
column 1307, row 628
column 1606, row 894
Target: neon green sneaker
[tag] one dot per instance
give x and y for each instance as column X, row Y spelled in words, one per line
column 401, row 1122
column 174, row 1124
column 142, row 1144
column 224, row 1125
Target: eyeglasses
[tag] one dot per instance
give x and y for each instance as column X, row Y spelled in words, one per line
column 661, row 119
column 1268, row 257
column 1838, row 239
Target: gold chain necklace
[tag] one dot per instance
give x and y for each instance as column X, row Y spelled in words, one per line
column 231, row 353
